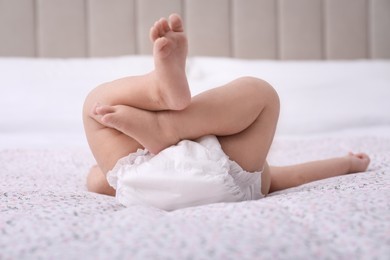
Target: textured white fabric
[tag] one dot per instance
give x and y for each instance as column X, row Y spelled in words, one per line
column 188, row 174
column 47, row 213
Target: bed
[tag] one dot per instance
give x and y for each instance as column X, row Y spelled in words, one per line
column 334, row 100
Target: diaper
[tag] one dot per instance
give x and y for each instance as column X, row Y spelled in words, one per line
column 188, row 174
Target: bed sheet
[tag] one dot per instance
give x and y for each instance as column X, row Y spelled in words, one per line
column 328, row 109
column 47, row 213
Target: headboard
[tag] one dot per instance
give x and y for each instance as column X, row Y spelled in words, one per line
column 261, row 29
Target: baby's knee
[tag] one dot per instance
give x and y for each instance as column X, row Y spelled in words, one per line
column 267, row 89
column 263, row 89
column 95, row 96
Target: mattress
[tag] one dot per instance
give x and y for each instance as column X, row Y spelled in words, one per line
column 328, row 109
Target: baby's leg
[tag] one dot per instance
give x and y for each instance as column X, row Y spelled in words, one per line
column 97, row 182
column 295, row 175
column 165, row 87
column 243, row 114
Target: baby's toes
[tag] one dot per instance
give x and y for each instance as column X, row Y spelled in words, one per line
column 162, row 47
column 104, row 109
column 159, row 29
column 176, row 23
column 118, row 118
column 164, row 26
column 111, row 120
column 154, row 32
column 365, row 158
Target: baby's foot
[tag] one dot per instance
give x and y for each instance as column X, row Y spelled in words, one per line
column 170, row 51
column 146, row 127
column 358, row 162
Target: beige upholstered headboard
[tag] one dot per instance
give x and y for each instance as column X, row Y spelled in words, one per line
column 262, row 29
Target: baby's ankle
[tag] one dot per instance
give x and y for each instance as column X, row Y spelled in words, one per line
column 176, row 98
column 177, row 103
column 168, row 127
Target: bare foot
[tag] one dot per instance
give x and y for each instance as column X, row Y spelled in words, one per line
column 147, row 127
column 358, row 162
column 170, row 51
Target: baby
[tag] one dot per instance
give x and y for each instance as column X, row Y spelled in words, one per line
column 142, row 128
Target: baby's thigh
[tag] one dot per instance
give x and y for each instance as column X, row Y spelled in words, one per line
column 107, row 145
column 250, row 147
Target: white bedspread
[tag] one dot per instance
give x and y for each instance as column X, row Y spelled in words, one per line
column 330, row 109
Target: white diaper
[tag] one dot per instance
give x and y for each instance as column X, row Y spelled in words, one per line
column 184, row 175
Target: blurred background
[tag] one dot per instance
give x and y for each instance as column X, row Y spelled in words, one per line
column 255, row 29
